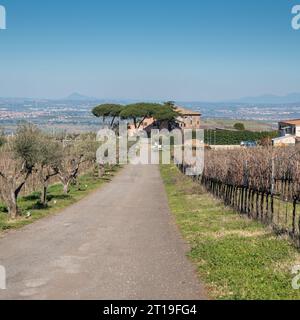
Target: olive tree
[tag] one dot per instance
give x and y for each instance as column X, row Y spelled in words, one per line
column 49, row 161
column 75, row 153
column 19, row 157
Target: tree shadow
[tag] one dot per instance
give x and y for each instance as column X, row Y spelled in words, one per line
column 51, row 197
column 36, row 206
column 32, row 197
column 3, row 209
column 40, row 206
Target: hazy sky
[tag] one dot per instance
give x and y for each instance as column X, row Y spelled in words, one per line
column 149, row 49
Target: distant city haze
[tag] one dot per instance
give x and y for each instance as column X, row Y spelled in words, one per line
column 76, row 115
column 150, row 50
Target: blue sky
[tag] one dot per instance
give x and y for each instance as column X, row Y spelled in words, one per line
column 149, row 49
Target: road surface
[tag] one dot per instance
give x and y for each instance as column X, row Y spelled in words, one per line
column 121, row 242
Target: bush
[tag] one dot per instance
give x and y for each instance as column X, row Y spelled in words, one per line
column 239, row 126
column 227, row 137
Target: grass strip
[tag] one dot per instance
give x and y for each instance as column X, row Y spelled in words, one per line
column 237, row 258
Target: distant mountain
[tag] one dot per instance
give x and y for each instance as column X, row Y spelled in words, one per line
column 79, row 97
column 272, row 99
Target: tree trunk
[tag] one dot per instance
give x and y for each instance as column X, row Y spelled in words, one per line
column 257, row 202
column 242, row 200
column 252, row 203
column 262, row 207
column 294, row 216
column 66, row 188
column 12, row 206
column 13, row 212
column 272, row 208
column 112, row 121
column 101, row 170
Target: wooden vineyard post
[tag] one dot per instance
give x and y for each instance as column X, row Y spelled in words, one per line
column 294, row 216
column 273, row 184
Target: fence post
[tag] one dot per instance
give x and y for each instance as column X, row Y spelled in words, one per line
column 294, row 215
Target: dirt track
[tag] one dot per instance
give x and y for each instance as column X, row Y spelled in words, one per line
column 120, row 242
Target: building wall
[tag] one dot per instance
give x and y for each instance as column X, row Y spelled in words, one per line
column 146, row 123
column 190, row 122
column 288, row 140
column 286, row 129
column 185, row 122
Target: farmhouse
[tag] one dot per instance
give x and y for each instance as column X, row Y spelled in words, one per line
column 289, row 132
column 188, row 119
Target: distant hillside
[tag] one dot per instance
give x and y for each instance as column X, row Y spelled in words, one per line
column 272, row 99
column 79, row 97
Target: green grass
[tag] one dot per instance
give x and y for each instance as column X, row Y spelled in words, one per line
column 237, row 258
column 56, row 200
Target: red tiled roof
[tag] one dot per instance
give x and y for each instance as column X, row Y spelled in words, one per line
column 187, row 112
column 291, row 122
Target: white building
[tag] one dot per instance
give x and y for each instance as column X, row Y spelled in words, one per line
column 289, row 131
